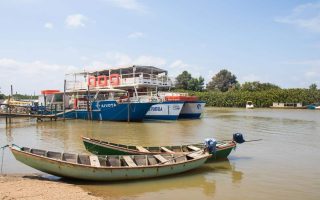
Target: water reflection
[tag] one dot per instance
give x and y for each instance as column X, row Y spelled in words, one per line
column 201, row 181
column 270, row 169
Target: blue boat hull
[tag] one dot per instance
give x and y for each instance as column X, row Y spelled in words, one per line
column 112, row 111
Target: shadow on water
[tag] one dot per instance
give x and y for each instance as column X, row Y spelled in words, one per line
column 201, row 180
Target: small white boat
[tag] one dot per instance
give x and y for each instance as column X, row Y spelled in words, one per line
column 249, row 105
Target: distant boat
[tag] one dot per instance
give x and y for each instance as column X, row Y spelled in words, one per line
column 99, row 147
column 287, row 105
column 249, row 105
column 314, row 106
column 110, row 167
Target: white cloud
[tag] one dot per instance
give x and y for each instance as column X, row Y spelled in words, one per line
column 178, row 64
column 48, row 25
column 133, row 5
column 306, row 16
column 136, row 35
column 76, row 21
column 29, row 77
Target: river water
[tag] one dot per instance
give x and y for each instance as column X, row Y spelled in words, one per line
column 284, row 165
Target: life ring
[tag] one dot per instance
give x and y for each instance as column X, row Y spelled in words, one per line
column 92, row 81
column 114, row 79
column 102, row 80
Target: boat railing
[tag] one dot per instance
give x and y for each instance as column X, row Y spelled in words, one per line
column 125, row 80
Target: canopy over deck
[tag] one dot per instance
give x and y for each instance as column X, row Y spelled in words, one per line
column 126, row 70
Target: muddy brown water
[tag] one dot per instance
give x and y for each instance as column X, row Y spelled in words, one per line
column 284, row 165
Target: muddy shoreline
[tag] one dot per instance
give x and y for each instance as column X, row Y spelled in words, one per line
column 35, row 186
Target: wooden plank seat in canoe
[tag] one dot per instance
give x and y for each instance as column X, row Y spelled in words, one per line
column 194, row 148
column 129, row 161
column 142, row 149
column 160, row 158
column 167, row 150
column 94, row 161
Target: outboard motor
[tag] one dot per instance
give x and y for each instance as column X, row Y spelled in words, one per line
column 238, row 138
column 211, row 144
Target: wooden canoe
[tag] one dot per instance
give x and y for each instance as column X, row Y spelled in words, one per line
column 107, row 168
column 99, row 147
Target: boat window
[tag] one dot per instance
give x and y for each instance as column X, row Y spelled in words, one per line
column 58, row 98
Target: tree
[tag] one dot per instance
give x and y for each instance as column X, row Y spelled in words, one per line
column 182, row 80
column 257, row 86
column 196, row 84
column 313, row 86
column 222, row 81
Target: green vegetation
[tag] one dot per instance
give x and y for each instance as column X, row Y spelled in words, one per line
column 225, row 91
column 186, row 82
column 238, row 98
column 223, row 81
column 19, row 96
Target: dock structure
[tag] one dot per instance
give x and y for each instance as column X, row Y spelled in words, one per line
column 10, row 112
column 39, row 117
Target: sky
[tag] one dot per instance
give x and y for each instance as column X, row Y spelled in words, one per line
column 266, row 41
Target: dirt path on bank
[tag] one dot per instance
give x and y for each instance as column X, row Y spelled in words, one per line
column 35, row 187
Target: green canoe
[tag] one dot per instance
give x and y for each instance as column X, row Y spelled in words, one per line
column 108, row 168
column 99, row 147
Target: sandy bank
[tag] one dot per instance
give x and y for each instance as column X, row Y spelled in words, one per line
column 36, row 187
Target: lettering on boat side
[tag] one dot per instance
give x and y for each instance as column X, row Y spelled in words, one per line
column 176, row 107
column 156, row 108
column 108, row 105
column 199, row 106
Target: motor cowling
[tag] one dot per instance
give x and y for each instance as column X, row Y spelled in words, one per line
column 211, row 145
column 238, row 138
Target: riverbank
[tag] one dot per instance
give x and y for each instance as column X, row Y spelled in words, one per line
column 37, row 187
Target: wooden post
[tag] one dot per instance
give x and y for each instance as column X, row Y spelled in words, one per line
column 55, row 112
column 64, row 101
column 128, row 112
column 88, row 109
column 9, row 107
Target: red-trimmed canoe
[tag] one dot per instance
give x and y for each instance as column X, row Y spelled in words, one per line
column 99, row 147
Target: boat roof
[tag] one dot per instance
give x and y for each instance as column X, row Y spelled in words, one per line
column 94, row 90
column 127, row 70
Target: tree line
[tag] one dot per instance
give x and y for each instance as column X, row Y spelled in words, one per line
column 225, row 91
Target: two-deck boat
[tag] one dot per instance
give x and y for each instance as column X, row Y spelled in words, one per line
column 145, row 83
column 104, row 105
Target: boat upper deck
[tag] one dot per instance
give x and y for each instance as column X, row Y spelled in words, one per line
column 121, row 77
